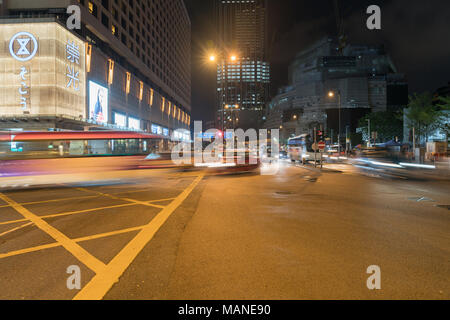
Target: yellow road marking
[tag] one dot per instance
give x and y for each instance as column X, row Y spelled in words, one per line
column 144, row 203
column 15, row 229
column 53, row 200
column 72, row 213
column 102, row 282
column 91, row 210
column 85, row 257
column 56, row 244
column 83, row 197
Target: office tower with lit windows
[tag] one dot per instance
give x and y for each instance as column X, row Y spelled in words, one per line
column 243, row 71
column 134, row 54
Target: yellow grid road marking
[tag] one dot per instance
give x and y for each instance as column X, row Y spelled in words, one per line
column 71, row 213
column 83, row 197
column 89, row 210
column 144, row 203
column 53, row 200
column 85, row 257
column 102, row 282
column 56, row 244
column 15, row 229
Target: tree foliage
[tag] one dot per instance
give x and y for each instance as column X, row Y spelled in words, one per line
column 387, row 124
column 444, row 120
column 423, row 115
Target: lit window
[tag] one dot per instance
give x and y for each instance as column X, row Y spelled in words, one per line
column 91, row 7
column 127, row 87
column 151, row 97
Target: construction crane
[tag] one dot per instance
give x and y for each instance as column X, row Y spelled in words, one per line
column 342, row 37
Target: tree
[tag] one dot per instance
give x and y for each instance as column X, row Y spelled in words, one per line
column 444, row 121
column 387, row 124
column 422, row 115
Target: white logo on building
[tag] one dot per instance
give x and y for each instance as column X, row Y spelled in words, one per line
column 23, row 46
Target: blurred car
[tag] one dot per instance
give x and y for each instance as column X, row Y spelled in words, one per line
column 373, row 153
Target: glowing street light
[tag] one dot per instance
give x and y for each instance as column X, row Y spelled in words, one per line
column 233, row 58
column 212, row 58
column 331, row 94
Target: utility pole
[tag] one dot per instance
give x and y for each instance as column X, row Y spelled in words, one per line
column 346, row 140
column 315, row 147
column 368, row 144
column 339, row 135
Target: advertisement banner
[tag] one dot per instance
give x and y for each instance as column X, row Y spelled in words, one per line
column 98, row 103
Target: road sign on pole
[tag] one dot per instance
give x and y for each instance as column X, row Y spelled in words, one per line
column 321, row 145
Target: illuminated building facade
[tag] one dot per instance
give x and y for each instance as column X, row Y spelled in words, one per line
column 133, row 64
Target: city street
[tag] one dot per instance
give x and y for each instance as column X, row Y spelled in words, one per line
column 165, row 234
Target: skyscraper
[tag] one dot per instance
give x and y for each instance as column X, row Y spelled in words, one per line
column 243, row 72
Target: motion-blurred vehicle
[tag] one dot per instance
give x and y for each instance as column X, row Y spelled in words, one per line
column 301, row 149
column 70, row 153
column 233, row 161
column 372, row 153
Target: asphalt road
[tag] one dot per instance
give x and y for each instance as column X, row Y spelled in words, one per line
column 299, row 234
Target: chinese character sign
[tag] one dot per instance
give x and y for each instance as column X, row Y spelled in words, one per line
column 73, row 58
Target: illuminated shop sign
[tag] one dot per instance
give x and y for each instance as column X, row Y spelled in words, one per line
column 98, row 103
column 44, row 71
column 120, row 120
column 181, row 135
column 134, row 123
column 156, row 129
column 166, row 132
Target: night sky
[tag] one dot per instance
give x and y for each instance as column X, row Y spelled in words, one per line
column 416, row 34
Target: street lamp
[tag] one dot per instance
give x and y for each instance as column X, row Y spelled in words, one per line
column 331, row 94
column 223, row 56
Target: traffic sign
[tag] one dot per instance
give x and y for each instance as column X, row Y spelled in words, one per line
column 321, row 146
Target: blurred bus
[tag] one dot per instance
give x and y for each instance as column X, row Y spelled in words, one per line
column 300, row 149
column 44, row 153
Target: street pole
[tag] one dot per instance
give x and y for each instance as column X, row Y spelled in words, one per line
column 339, row 135
column 223, row 78
column 315, row 147
column 368, row 144
column 346, row 140
column 414, row 143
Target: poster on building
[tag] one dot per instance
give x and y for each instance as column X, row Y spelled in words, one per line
column 98, row 103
